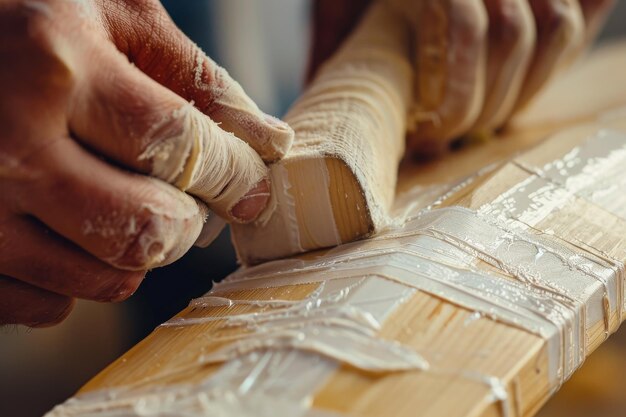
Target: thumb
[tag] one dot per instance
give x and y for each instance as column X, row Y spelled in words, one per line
column 146, row 127
column 157, row 47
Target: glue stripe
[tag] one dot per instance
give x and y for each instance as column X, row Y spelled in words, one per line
column 540, row 283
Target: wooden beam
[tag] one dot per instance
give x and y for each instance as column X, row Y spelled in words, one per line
column 479, row 366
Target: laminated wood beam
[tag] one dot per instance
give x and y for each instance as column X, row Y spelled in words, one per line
column 480, row 365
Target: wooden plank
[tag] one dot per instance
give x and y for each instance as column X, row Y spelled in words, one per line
column 450, row 336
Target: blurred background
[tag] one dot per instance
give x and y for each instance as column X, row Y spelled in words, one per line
column 264, row 45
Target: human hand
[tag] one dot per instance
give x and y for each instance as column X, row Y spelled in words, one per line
column 97, row 120
column 477, row 62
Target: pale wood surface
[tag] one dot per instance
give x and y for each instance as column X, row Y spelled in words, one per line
column 426, row 322
column 597, row 388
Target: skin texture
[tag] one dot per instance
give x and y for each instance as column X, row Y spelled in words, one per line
column 99, row 143
column 477, row 62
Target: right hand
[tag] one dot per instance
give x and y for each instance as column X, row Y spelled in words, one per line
column 91, row 91
column 476, row 62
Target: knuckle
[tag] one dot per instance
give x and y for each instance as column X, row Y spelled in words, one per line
column 33, row 45
column 169, row 145
column 554, row 16
column 509, row 22
column 33, row 23
column 124, row 92
column 28, row 176
column 470, row 17
column 147, row 112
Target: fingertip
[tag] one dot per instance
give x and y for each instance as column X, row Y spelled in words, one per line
column 276, row 123
column 280, row 138
column 166, row 228
column 128, row 284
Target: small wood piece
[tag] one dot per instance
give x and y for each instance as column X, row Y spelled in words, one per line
column 337, row 183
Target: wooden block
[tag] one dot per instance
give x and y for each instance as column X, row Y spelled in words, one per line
column 337, row 183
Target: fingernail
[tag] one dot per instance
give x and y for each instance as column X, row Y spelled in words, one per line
column 277, row 123
column 252, row 204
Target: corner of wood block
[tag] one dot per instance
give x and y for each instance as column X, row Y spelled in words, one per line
column 317, row 202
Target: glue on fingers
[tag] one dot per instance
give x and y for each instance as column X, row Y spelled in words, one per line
column 148, row 128
column 162, row 51
column 236, row 113
column 450, row 63
column 511, row 44
column 560, row 37
column 221, row 170
column 126, row 220
column 39, row 257
column 595, row 13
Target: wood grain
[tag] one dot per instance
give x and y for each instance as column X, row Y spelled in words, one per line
column 427, row 323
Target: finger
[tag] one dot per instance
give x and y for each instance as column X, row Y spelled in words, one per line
column 37, row 256
column 21, row 303
column 127, row 220
column 511, row 44
column 129, row 117
column 595, row 13
column 158, row 48
column 210, row 231
column 560, row 36
column 450, row 80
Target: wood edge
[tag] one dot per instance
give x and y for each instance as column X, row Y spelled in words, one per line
column 351, row 215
